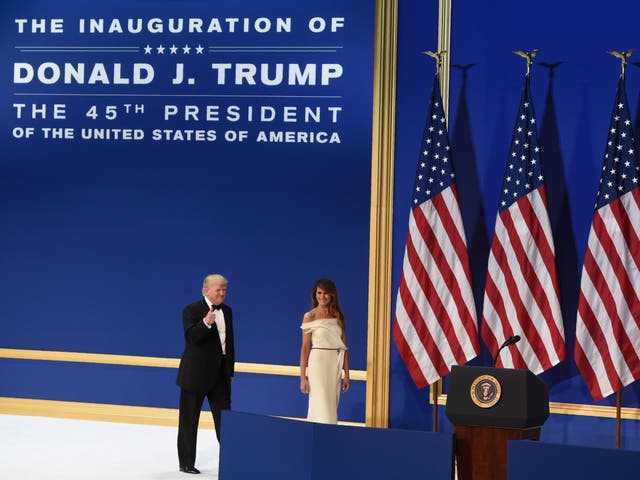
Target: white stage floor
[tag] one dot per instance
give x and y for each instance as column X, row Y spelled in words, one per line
column 49, row 449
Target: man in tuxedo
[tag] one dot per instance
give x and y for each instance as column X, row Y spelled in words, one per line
column 206, row 366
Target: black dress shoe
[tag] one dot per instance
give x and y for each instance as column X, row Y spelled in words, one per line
column 189, row 470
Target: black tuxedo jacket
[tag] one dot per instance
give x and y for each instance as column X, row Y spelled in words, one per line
column 202, row 357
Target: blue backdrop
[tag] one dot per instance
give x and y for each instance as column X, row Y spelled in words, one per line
column 573, row 87
column 238, row 141
column 103, row 241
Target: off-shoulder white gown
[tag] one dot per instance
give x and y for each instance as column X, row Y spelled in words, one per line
column 324, row 369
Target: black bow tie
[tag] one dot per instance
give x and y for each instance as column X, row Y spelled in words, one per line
column 215, row 307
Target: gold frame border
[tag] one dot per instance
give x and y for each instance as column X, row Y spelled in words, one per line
column 125, row 413
column 167, row 417
column 444, row 45
column 160, row 362
column 579, row 409
column 381, row 217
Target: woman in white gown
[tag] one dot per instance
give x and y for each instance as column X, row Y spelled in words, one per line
column 323, row 355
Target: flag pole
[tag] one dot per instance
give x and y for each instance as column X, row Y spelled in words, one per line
column 529, row 56
column 439, row 56
column 435, row 390
column 437, row 386
column 623, row 64
column 618, row 410
column 623, row 58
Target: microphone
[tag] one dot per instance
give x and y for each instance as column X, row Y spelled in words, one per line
column 507, row 342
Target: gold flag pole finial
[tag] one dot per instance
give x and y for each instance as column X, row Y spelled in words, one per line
column 529, row 56
column 438, row 56
column 623, row 57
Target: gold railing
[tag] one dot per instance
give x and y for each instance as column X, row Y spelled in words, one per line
column 167, row 417
column 161, row 362
column 584, row 410
column 124, row 413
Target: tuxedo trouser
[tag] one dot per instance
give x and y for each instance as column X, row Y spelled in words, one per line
column 219, row 398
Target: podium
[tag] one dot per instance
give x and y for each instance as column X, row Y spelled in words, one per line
column 488, row 407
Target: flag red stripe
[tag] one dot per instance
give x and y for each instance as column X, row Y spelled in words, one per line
column 632, row 246
column 505, row 266
column 589, row 374
column 521, row 261
column 407, row 356
column 417, row 320
column 542, row 332
column 440, row 260
column 439, row 310
column 593, row 327
column 532, row 278
column 415, row 316
column 546, row 249
column 609, row 250
column 488, row 336
column 456, row 239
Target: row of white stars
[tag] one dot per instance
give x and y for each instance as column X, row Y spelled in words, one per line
column 613, row 171
column 619, row 147
column 522, row 117
column 627, row 163
column 433, row 169
column 527, row 186
column 621, row 187
column 526, row 146
column 607, row 196
column 428, row 191
column 622, row 135
column 425, row 153
column 173, row 49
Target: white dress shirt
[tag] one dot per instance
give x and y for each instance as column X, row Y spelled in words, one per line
column 220, row 325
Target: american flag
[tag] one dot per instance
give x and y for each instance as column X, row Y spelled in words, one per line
column 435, row 322
column 521, row 292
column 607, row 349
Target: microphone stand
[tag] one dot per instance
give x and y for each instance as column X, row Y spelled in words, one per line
column 506, row 343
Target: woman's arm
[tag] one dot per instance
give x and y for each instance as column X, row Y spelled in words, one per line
column 346, row 383
column 304, row 359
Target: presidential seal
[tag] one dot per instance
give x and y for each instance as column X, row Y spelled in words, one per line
column 485, row 391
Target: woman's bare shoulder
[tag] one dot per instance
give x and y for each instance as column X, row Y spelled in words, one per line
column 310, row 316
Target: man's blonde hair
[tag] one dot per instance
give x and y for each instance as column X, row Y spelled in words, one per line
column 212, row 279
